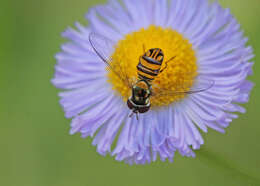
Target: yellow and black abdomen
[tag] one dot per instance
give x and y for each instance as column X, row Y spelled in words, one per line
column 150, row 64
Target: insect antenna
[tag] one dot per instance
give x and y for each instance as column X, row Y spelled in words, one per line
column 137, row 117
column 131, row 114
column 134, row 112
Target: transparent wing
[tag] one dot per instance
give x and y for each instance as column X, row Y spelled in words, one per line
column 104, row 47
column 200, row 85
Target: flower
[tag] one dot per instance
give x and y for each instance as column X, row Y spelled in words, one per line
column 205, row 39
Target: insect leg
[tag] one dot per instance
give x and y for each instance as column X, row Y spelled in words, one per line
column 143, row 48
column 166, row 64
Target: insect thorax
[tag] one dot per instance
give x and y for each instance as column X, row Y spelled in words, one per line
column 141, row 92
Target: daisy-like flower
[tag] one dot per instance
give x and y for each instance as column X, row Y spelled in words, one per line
column 203, row 39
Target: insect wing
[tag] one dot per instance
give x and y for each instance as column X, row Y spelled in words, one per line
column 201, row 84
column 104, row 47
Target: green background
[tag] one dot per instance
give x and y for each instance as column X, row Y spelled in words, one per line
column 36, row 149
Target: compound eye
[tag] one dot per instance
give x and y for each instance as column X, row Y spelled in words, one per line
column 129, row 104
column 143, row 109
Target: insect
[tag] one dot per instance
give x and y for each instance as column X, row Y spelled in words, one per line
column 148, row 67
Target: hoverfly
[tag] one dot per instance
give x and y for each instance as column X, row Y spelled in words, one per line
column 148, row 67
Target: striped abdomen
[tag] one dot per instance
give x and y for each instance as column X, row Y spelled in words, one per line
column 150, row 64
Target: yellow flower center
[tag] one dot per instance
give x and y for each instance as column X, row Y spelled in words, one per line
column 177, row 76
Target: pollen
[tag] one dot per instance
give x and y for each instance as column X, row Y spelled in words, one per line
column 178, row 76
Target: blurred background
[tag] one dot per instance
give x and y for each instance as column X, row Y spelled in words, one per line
column 36, row 148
